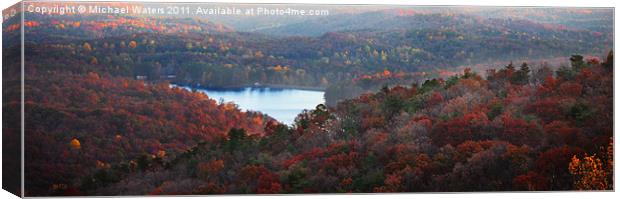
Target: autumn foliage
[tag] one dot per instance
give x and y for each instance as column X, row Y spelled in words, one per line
column 109, row 135
column 103, row 118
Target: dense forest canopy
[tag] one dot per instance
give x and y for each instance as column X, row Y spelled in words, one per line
column 415, row 101
column 200, row 52
column 505, row 131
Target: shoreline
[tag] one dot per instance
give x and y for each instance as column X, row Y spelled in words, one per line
column 262, row 86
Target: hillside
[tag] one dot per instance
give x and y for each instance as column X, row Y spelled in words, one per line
column 434, row 18
column 203, row 53
column 88, row 122
column 468, row 133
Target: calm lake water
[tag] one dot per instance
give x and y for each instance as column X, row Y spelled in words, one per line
column 283, row 104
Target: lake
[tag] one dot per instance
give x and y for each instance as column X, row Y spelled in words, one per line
column 283, row 104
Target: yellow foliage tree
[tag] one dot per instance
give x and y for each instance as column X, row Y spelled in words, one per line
column 75, row 143
column 87, row 47
column 589, row 173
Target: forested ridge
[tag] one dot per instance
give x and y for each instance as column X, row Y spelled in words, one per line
column 505, row 131
column 79, row 123
column 202, row 53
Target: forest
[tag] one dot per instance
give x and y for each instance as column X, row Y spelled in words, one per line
column 502, row 132
column 203, row 53
column 506, row 131
column 408, row 109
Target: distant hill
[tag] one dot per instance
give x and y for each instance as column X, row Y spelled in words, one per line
column 200, row 52
column 598, row 20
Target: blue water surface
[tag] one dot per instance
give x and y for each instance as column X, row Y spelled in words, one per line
column 283, row 104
